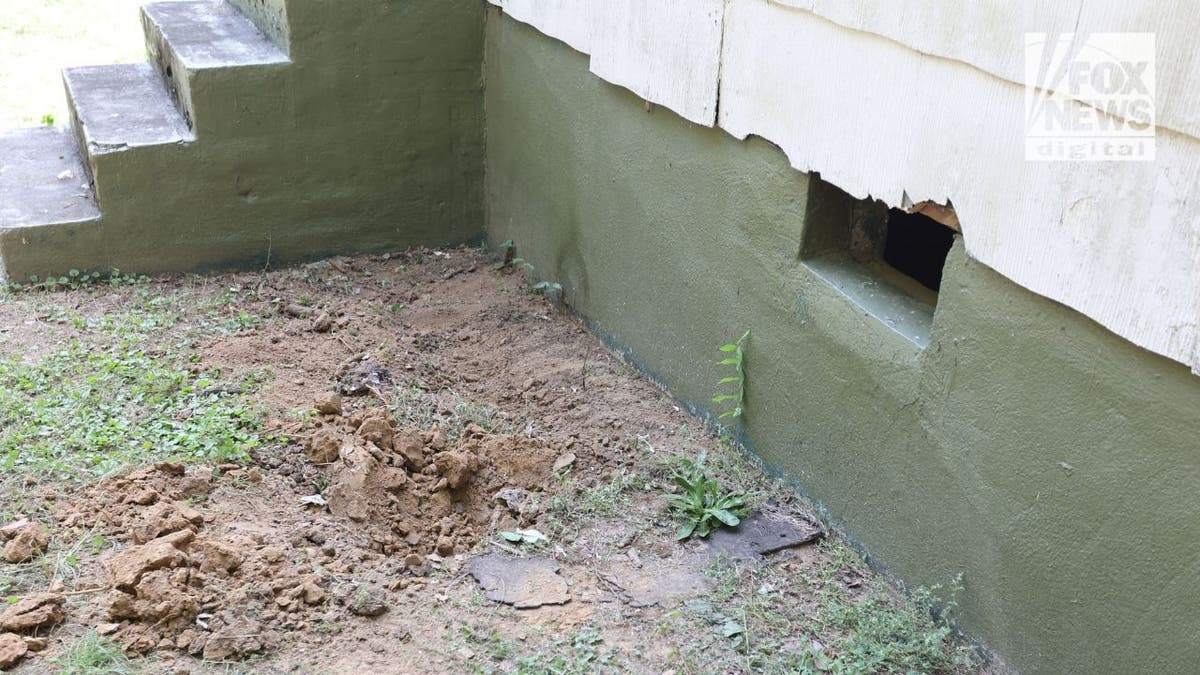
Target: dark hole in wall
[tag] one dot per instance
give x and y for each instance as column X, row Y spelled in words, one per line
column 917, row 246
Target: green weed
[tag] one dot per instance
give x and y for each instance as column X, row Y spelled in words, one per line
column 703, row 503
column 736, row 358
column 75, row 280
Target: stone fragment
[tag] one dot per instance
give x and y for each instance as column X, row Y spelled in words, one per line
column 563, row 462
column 763, row 533
column 240, row 638
column 524, row 583
column 368, row 600
column 10, row 530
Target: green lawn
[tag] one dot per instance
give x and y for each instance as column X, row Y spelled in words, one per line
column 38, row 38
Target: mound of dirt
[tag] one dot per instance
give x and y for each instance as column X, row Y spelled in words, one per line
column 416, row 492
column 188, row 581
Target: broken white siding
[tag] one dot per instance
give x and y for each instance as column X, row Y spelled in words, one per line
column 927, row 97
column 566, row 20
column 666, row 51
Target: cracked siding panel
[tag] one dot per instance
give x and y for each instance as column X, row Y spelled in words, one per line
column 989, row 34
column 1116, row 241
column 566, row 20
column 666, row 51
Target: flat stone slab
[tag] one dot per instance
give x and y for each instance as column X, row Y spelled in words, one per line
column 211, row 34
column 42, row 179
column 123, row 106
column 763, row 533
column 659, row 582
column 524, row 583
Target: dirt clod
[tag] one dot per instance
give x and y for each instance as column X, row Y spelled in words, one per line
column 27, row 543
column 40, row 610
column 323, row 446
column 329, row 404
column 323, row 323
column 12, row 650
column 129, row 565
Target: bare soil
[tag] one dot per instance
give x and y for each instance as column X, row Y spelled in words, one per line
column 417, row 405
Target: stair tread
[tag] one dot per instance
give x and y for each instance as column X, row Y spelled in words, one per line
column 212, row 34
column 124, row 105
column 42, row 179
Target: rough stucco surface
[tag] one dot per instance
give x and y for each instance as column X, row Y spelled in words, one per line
column 1050, row 462
column 312, row 159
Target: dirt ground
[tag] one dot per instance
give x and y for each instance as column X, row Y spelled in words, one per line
column 412, row 407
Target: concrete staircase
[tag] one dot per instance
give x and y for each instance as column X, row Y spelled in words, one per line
column 220, row 151
column 122, row 112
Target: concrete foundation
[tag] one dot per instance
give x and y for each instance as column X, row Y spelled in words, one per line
column 1000, row 436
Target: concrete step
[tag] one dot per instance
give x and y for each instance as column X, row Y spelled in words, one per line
column 119, row 107
column 42, row 179
column 189, row 39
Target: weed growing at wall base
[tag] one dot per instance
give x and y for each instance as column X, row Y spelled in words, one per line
column 736, row 359
column 75, row 280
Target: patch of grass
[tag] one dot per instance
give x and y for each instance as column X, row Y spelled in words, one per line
column 492, row 420
column 823, row 613
column 85, row 410
column 579, row 653
column 38, row 38
column 881, row 634
column 93, row 655
column 574, row 502
column 413, row 406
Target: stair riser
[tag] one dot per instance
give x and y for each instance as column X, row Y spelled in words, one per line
column 271, row 18
column 214, row 98
column 174, row 72
column 80, row 137
column 237, row 103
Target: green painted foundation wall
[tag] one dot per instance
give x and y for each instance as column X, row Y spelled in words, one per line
column 1052, row 464
column 371, row 139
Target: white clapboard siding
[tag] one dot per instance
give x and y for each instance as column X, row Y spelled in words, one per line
column 989, row 34
column 566, row 20
column 666, row 51
column 1115, row 240
column 926, row 97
